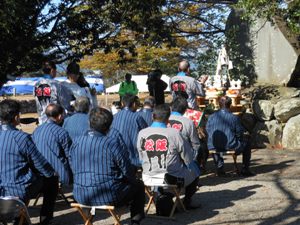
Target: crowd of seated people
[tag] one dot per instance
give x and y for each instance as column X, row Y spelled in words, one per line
column 102, row 154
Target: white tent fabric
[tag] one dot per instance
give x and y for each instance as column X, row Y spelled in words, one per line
column 140, row 80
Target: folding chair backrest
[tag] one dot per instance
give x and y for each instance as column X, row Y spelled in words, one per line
column 12, row 207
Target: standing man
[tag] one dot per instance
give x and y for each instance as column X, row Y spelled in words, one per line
column 129, row 123
column 128, row 86
column 24, row 172
column 166, row 155
column 183, row 124
column 103, row 174
column 225, row 132
column 47, row 90
column 78, row 124
column 54, row 142
column 147, row 110
column 186, row 86
column 157, row 86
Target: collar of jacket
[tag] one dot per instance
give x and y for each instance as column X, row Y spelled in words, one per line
column 94, row 133
column 181, row 73
column 176, row 114
column 158, row 124
column 5, row 127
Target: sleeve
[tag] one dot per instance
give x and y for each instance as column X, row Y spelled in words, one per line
column 36, row 160
column 122, row 160
column 135, row 89
column 238, row 128
column 141, row 123
column 122, row 89
column 199, row 88
column 194, row 139
column 65, row 96
column 184, row 149
column 66, row 143
column 164, row 85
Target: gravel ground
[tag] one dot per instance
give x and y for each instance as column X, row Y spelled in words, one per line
column 270, row 197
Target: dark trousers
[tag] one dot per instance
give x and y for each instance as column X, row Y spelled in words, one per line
column 49, row 188
column 190, row 190
column 245, row 149
column 136, row 199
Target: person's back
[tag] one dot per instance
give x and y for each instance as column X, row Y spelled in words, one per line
column 186, row 86
column 24, row 172
column 102, row 171
column 16, row 171
column 147, row 110
column 166, row 156
column 47, row 90
column 224, row 130
column 129, row 123
column 183, row 124
column 156, row 86
column 78, row 124
column 54, row 143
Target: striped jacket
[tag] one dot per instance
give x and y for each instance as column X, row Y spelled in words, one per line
column 54, row 143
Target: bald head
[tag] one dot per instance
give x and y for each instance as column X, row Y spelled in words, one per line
column 184, row 66
column 55, row 112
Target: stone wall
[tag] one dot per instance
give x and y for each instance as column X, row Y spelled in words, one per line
column 273, row 118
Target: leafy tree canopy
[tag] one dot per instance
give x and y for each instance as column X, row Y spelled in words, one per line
column 32, row 30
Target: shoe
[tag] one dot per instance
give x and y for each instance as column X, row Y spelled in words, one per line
column 221, row 172
column 247, row 173
column 45, row 220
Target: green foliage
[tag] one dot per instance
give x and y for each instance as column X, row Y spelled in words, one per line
column 33, row 30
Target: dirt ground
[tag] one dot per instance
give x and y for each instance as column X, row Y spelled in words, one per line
column 270, row 197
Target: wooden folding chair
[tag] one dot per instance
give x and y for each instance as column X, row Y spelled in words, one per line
column 150, row 192
column 12, row 207
column 60, row 193
column 229, row 152
column 88, row 218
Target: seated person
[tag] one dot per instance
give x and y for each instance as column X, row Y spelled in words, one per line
column 183, row 124
column 54, row 142
column 166, row 155
column 24, row 172
column 78, row 123
column 225, row 132
column 102, row 171
column 128, row 122
column 146, row 111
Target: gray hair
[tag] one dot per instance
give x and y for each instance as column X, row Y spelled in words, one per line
column 82, row 104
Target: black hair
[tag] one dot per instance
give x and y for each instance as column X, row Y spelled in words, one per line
column 180, row 105
column 128, row 100
column 161, row 113
column 48, row 66
column 73, row 68
column 8, row 110
column 54, row 110
column 81, row 81
column 225, row 102
column 128, row 75
column 100, row 119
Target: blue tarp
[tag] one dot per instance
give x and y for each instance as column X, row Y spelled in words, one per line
column 25, row 86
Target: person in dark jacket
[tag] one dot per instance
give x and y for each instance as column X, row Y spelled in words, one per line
column 157, row 86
